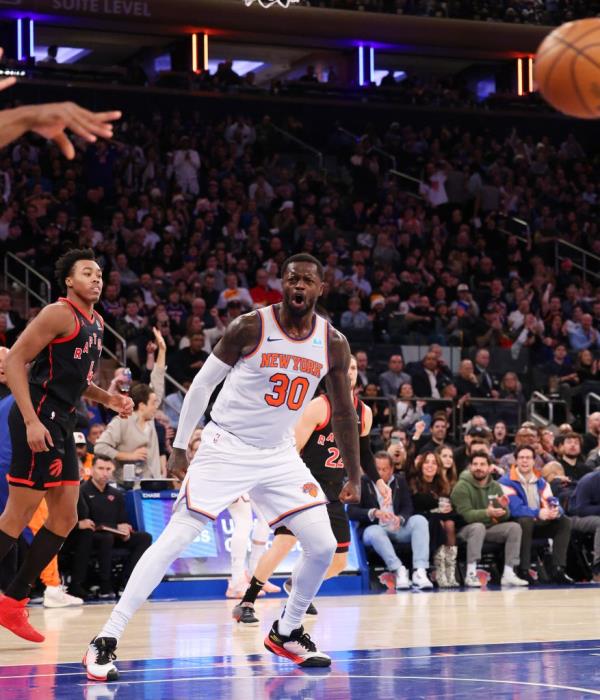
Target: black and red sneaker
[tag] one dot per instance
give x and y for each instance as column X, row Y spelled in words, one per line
column 244, row 613
column 298, row 647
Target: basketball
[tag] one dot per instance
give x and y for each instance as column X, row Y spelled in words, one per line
column 567, row 68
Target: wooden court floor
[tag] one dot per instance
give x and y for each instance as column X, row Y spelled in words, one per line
column 385, row 621
column 510, row 645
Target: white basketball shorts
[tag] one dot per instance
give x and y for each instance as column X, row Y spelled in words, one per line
column 224, row 468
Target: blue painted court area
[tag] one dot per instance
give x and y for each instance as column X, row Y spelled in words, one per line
column 552, row 671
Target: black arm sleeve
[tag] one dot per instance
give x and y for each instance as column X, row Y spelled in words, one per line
column 367, row 461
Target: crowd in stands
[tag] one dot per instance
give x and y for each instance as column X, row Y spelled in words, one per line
column 191, row 220
column 547, row 12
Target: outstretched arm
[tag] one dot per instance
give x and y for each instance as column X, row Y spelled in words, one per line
column 241, row 336
column 343, row 413
column 51, row 121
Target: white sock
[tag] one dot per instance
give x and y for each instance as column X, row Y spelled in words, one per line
column 508, row 570
column 313, row 529
column 241, row 514
column 472, row 568
column 180, row 531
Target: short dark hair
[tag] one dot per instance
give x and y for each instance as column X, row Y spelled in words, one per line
column 140, row 393
column 64, row 265
column 481, row 455
column 104, row 458
column 302, row 258
column 560, row 440
column 524, row 447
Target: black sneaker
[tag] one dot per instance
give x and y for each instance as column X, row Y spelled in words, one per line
column 526, row 576
column 287, row 587
column 98, row 659
column 561, row 577
column 244, row 613
column 298, row 647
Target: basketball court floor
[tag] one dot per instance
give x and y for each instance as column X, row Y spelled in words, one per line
column 540, row 643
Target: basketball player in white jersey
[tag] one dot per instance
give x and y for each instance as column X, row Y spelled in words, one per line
column 272, row 361
column 316, row 444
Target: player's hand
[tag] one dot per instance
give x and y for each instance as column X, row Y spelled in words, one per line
column 38, row 437
column 384, row 491
column 177, row 465
column 50, row 121
column 350, row 493
column 6, row 82
column 123, row 405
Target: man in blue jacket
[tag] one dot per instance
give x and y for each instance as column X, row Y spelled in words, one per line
column 534, row 507
column 380, row 526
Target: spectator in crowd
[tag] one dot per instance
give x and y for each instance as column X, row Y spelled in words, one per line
column 354, row 319
column 480, row 501
column 365, row 374
column 261, row 293
column 586, row 523
column 186, row 164
column 382, row 526
column 437, row 437
column 446, row 456
column 11, row 323
column 430, row 493
column 187, row 362
column 528, row 496
column 102, row 526
column 487, row 384
column 408, row 411
column 84, row 457
column 233, row 292
column 425, row 376
column 591, row 439
column 500, row 440
column 134, row 440
column 526, row 436
column 392, row 379
column 568, row 447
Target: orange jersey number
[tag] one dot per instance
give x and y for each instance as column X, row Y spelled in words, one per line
column 292, row 392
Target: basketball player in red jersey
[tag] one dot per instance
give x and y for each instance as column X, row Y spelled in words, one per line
column 315, row 441
column 63, row 343
column 272, row 361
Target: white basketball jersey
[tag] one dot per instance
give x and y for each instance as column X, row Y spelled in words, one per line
column 266, row 391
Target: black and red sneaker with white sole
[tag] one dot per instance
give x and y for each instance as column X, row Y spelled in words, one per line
column 298, row 647
column 98, row 659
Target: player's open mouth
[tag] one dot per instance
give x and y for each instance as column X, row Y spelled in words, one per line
column 298, row 299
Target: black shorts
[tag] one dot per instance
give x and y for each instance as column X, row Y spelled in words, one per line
column 340, row 525
column 43, row 470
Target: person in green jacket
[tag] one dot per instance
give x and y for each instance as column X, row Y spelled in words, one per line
column 484, row 507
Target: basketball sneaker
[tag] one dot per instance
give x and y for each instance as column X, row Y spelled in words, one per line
column 98, row 659
column 298, row 647
column 511, row 579
column 57, row 597
column 401, row 581
column 420, row 579
column 14, row 616
column 472, row 581
column 287, row 587
column 244, row 613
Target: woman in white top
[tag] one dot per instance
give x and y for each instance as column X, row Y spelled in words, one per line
column 408, row 412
